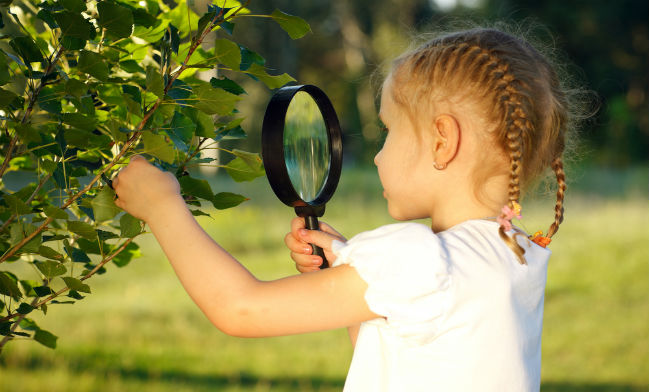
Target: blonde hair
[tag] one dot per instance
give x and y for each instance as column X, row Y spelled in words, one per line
column 515, row 88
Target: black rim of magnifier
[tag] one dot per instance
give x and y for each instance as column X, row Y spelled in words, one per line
column 273, row 145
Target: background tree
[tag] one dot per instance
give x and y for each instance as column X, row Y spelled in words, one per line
column 84, row 85
column 608, row 43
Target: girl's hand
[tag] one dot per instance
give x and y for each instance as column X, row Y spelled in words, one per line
column 145, row 191
column 299, row 239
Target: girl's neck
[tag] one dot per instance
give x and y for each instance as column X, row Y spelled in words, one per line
column 462, row 203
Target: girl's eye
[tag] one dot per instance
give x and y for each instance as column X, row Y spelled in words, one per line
column 386, row 130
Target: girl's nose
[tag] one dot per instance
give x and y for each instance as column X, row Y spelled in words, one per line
column 376, row 158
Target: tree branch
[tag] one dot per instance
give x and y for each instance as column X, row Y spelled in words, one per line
column 36, row 303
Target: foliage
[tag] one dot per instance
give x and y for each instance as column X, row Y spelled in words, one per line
column 84, row 85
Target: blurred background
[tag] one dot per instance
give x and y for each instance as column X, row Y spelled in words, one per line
column 139, row 330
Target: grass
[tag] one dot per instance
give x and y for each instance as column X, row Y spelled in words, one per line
column 139, row 331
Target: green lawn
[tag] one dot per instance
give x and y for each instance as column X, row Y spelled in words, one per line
column 139, row 331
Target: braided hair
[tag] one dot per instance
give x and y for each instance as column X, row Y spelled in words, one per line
column 516, row 89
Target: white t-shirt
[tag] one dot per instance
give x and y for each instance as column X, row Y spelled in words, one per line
column 460, row 312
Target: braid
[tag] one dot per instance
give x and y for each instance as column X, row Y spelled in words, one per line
column 557, row 167
column 518, row 124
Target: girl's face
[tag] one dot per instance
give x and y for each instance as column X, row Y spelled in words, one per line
column 404, row 163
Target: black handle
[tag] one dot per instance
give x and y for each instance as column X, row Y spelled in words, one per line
column 312, row 224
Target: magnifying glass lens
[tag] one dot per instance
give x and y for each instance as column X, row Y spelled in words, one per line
column 306, row 146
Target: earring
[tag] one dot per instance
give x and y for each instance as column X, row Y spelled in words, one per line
column 439, row 166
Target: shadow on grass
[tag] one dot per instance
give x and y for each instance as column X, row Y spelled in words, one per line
column 561, row 386
column 246, row 380
column 181, row 377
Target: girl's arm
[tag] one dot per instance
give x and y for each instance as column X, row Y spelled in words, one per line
column 297, row 242
column 232, row 299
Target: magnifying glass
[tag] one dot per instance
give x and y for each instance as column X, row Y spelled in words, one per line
column 302, row 152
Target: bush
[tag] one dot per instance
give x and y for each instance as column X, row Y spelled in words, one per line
column 84, row 85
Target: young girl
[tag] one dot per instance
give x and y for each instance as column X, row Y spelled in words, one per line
column 471, row 118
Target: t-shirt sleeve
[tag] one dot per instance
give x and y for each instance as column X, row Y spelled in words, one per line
column 407, row 274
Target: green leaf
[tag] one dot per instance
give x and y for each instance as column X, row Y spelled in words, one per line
column 18, row 231
column 80, row 121
column 104, row 235
column 75, row 88
column 204, row 123
column 103, row 205
column 227, row 85
column 74, row 5
column 72, row 294
column 143, row 18
column 50, row 268
column 77, row 255
column 25, row 308
column 271, row 81
column 214, row 101
column 195, row 187
column 28, row 134
column 45, row 338
column 248, row 57
column 49, row 253
column 50, row 100
column 130, row 226
column 295, row 27
column 28, row 288
column 243, row 169
column 224, row 200
column 117, row 20
column 29, row 325
column 6, row 97
column 157, row 146
column 47, row 17
column 83, row 229
column 76, row 284
column 93, row 64
column 131, row 66
column 27, row 49
column 74, row 26
column 43, row 291
column 154, row 82
column 8, row 286
column 5, row 327
column 251, row 158
column 16, row 205
column 131, row 251
column 55, row 212
column 181, row 131
column 227, row 53
column 5, row 76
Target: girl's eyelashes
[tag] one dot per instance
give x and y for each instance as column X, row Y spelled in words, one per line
column 385, row 129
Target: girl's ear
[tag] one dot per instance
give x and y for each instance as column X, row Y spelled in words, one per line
column 446, row 143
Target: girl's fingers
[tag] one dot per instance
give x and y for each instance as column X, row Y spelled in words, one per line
column 317, row 237
column 305, row 262
column 297, row 246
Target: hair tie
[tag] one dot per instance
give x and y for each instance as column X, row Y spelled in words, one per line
column 540, row 240
column 507, row 214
